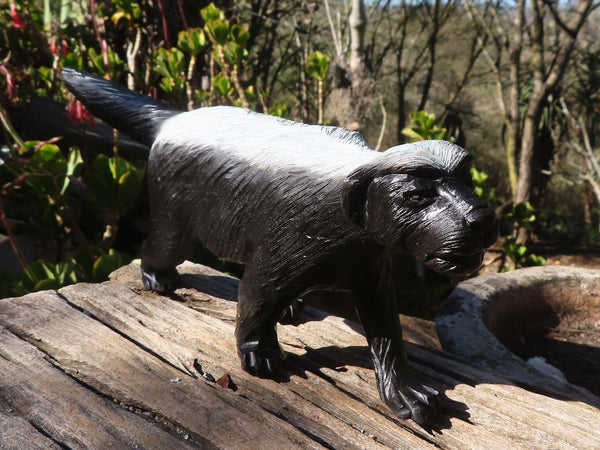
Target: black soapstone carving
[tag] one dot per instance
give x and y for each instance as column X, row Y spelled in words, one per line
column 304, row 207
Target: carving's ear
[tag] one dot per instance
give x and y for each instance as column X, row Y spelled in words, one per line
column 353, row 197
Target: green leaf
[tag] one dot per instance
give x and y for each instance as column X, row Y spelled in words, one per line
column 74, row 167
column 176, row 60
column 73, row 60
column 99, row 181
column 317, row 65
column 240, row 34
column 234, row 53
column 422, row 127
column 48, row 159
column 118, row 167
column 39, row 270
column 211, row 12
column 106, row 264
column 126, row 9
column 161, row 62
column 479, row 176
column 534, row 260
column 222, row 84
column 120, row 14
column 65, row 273
column 47, row 153
column 83, row 262
column 101, row 168
column 218, row 31
column 130, row 185
column 523, row 214
column 169, row 63
column 278, row 110
column 75, row 162
column 251, row 94
column 412, row 134
column 115, row 64
column 191, row 41
column 167, row 85
column 44, row 275
column 46, row 284
column 202, row 95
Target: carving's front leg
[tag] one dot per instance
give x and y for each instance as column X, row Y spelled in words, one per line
column 398, row 386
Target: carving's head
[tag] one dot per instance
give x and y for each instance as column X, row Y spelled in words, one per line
column 417, row 199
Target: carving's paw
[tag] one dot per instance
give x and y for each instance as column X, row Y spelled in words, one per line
column 259, row 362
column 411, row 400
column 160, row 281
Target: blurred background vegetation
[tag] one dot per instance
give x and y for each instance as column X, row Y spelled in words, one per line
column 516, row 83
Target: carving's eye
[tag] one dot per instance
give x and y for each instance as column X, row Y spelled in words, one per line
column 420, row 197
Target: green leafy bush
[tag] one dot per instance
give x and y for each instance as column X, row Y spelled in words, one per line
column 519, row 220
column 423, row 127
column 70, row 209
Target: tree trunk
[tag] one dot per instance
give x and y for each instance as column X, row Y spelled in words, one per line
column 400, row 100
column 358, row 26
column 543, row 85
column 351, row 102
column 431, row 45
column 527, row 157
column 514, row 119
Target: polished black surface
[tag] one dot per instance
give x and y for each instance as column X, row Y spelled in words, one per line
column 305, row 208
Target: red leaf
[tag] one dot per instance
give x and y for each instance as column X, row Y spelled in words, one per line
column 226, row 382
column 16, row 20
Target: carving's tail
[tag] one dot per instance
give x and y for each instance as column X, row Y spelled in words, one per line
column 137, row 115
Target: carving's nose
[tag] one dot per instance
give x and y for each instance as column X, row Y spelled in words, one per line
column 483, row 221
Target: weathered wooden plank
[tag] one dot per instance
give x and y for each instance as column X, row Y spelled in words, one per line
column 50, row 409
column 106, row 362
column 144, row 350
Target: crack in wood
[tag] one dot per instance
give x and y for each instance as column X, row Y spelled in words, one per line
column 44, row 433
column 174, row 428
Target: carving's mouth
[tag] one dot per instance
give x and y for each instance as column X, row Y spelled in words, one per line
column 454, row 264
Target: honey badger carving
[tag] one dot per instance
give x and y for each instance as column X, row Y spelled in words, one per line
column 304, row 207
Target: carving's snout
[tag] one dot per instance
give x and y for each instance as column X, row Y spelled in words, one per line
column 483, row 222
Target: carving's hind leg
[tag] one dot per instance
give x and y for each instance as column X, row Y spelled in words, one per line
column 258, row 311
column 166, row 247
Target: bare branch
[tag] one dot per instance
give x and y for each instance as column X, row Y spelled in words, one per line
column 383, row 123
column 550, row 4
column 334, row 36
